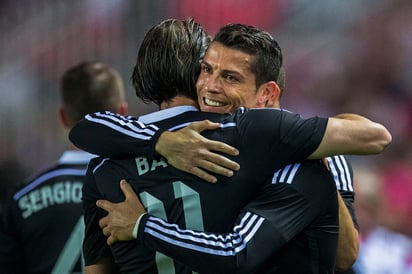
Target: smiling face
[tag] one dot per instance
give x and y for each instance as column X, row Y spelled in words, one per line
column 226, row 81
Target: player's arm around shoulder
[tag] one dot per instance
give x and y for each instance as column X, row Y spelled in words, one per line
column 352, row 134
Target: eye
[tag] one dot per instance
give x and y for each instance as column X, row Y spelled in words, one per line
column 230, row 78
column 205, row 68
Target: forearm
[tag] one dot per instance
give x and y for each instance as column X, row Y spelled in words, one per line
column 373, row 135
column 353, row 135
column 348, row 242
column 221, row 253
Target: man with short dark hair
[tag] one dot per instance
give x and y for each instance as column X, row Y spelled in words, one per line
column 41, row 225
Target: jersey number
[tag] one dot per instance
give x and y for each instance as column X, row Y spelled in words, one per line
column 191, row 210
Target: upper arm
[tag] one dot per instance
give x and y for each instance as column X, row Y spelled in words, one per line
column 279, row 132
column 112, row 135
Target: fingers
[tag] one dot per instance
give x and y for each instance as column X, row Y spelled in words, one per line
column 220, row 159
column 112, row 239
column 217, row 168
column 203, row 175
column 109, row 241
column 213, row 162
column 222, row 147
column 106, row 231
column 103, row 222
column 213, row 145
column 204, row 125
column 127, row 189
column 202, row 167
column 189, row 151
column 104, row 204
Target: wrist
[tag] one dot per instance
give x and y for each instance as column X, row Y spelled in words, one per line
column 136, row 226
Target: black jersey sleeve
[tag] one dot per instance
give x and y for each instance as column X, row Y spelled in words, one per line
column 112, row 135
column 289, row 204
column 342, row 171
column 235, row 252
column 281, row 134
column 94, row 243
column 124, row 136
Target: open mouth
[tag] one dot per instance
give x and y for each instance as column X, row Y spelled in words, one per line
column 212, row 103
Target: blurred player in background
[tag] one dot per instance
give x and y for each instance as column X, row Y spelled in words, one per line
column 41, row 225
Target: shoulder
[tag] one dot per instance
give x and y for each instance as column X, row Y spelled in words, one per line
column 254, row 113
column 97, row 162
column 105, row 164
column 48, row 176
column 272, row 118
column 258, row 122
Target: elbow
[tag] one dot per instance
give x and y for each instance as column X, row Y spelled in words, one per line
column 388, row 138
column 384, row 139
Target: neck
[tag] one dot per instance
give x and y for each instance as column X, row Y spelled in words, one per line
column 270, row 104
column 179, row 101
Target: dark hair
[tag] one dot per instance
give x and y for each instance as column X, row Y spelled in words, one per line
column 281, row 80
column 168, row 61
column 90, row 87
column 255, row 42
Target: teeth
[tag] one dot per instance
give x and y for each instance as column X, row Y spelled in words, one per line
column 213, row 103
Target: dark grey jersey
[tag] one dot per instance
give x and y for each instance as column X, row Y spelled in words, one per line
column 41, row 226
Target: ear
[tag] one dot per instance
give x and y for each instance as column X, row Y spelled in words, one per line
column 268, row 95
column 63, row 118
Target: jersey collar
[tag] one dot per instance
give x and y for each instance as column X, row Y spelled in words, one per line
column 75, row 157
column 165, row 113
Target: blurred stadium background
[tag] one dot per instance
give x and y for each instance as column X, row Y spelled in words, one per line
column 340, row 56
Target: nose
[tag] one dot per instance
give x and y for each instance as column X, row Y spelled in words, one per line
column 211, row 83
